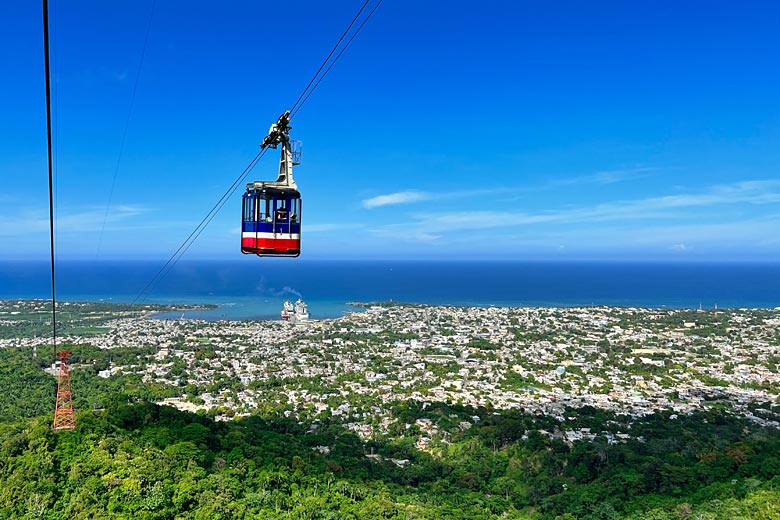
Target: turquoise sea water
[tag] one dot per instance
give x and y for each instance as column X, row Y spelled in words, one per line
column 255, row 289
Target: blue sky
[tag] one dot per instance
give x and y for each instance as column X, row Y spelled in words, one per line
column 518, row 130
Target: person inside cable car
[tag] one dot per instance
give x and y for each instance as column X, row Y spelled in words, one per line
column 281, row 213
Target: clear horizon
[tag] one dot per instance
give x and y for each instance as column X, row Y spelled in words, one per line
column 332, row 283
column 555, row 261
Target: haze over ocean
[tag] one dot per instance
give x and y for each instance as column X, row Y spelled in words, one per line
column 246, row 290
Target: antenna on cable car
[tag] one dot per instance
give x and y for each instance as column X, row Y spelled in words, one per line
column 271, row 221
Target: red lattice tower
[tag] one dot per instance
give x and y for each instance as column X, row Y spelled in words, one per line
column 63, row 411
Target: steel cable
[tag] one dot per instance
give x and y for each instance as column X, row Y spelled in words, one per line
column 51, row 171
column 325, row 61
column 127, row 125
column 199, row 228
column 295, row 110
column 302, row 98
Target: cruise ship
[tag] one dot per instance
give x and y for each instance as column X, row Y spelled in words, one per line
column 287, row 311
column 297, row 313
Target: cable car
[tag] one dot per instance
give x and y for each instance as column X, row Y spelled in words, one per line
column 271, row 219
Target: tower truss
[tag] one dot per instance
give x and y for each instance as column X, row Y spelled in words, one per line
column 63, row 411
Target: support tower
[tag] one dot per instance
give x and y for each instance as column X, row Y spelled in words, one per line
column 63, row 411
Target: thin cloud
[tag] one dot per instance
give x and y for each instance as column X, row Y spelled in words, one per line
column 83, row 221
column 324, row 227
column 92, row 220
column 401, row 197
column 744, row 239
column 408, row 197
column 606, row 177
column 412, row 196
column 759, row 192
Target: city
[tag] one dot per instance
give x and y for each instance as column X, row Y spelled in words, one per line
column 540, row 360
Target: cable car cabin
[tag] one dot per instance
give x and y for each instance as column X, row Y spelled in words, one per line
column 271, row 222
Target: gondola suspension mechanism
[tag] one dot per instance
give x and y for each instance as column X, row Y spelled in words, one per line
column 278, row 200
column 271, row 210
column 271, row 216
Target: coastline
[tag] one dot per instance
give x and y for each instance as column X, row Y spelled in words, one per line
column 237, row 290
column 251, row 309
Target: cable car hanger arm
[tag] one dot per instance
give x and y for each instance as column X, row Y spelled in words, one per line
column 278, row 133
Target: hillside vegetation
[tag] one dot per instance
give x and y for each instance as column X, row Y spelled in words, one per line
column 143, row 461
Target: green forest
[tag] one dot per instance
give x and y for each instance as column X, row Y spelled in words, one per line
column 131, row 459
column 144, row 461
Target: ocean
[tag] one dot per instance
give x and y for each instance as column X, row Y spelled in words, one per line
column 255, row 288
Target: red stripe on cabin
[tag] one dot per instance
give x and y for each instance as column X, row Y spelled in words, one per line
column 277, row 245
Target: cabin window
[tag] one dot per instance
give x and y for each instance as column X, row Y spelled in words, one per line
column 249, row 208
column 263, row 211
column 295, row 210
column 282, row 214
